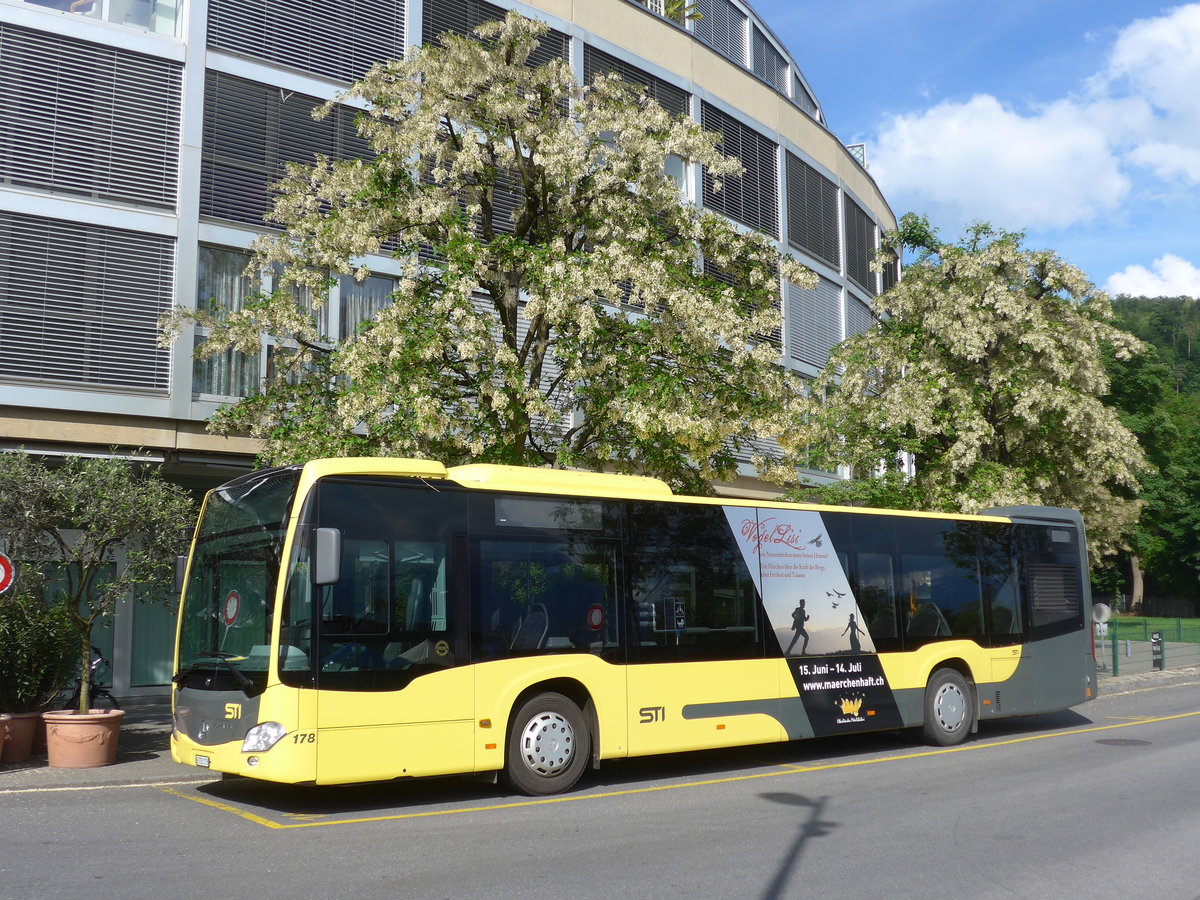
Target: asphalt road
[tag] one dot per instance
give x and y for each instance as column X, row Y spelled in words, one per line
column 1100, row 802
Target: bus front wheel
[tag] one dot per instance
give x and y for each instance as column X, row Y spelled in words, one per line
column 548, row 745
column 949, row 708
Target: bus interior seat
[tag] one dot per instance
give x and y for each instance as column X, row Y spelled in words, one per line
column 883, row 625
column 928, row 622
column 399, row 653
column 531, row 634
column 295, row 634
column 417, row 611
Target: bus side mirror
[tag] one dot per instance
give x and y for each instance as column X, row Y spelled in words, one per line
column 327, row 555
column 180, row 572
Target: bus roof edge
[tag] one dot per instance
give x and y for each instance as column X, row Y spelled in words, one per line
column 542, row 481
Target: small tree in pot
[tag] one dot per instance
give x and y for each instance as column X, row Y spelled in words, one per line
column 38, row 644
column 70, row 519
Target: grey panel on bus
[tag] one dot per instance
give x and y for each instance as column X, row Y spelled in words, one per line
column 788, row 712
column 201, row 715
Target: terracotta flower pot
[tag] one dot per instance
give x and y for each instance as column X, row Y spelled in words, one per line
column 78, row 741
column 21, row 728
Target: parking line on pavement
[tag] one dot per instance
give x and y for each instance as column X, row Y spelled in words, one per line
column 784, row 769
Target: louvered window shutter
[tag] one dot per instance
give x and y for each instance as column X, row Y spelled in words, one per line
column 753, row 197
column 858, row 316
column 723, row 27
column 89, row 120
column 671, row 98
column 251, row 131
column 775, row 335
column 340, row 40
column 860, row 246
column 890, row 276
column 802, row 98
column 79, row 304
column 814, row 321
column 812, row 214
column 767, row 62
column 463, row 16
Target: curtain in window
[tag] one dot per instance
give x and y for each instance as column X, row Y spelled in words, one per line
column 361, row 300
column 220, row 285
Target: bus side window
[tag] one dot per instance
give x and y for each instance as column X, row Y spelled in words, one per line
column 940, row 583
column 1001, row 584
column 1053, row 578
column 877, row 597
column 548, row 595
column 358, row 604
column 693, row 595
column 386, row 621
column 870, row 542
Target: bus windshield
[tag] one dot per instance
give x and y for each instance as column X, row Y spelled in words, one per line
column 226, row 611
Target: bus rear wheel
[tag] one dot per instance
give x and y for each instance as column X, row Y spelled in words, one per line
column 949, row 708
column 548, row 746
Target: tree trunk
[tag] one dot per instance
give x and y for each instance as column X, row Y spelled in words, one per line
column 85, row 673
column 1136, row 584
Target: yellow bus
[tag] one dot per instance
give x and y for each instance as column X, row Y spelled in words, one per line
column 354, row 620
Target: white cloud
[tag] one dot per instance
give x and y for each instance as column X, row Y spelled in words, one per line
column 1132, row 130
column 1168, row 160
column 1158, row 61
column 1172, row 277
column 983, row 160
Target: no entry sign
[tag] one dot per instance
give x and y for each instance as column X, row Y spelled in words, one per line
column 231, row 608
column 595, row 617
column 8, row 573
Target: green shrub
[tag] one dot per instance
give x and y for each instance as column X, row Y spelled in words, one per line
column 39, row 648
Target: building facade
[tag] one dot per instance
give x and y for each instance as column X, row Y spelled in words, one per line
column 138, row 140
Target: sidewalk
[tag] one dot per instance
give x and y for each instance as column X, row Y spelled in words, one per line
column 143, row 757
column 144, row 754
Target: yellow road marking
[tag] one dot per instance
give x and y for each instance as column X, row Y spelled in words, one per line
column 224, row 807
column 784, row 769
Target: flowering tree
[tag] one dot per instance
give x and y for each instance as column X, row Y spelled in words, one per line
column 986, row 370
column 559, row 303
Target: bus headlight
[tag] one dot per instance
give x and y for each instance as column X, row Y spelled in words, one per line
column 263, row 737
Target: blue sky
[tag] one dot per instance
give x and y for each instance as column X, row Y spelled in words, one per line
column 1077, row 123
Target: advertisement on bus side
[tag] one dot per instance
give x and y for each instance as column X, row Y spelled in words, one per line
column 815, row 619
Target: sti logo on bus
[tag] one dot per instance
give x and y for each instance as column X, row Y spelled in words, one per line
column 650, row 714
column 233, row 710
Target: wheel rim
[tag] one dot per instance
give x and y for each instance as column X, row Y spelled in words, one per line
column 950, row 708
column 547, row 744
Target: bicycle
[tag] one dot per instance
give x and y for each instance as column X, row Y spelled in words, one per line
column 100, row 698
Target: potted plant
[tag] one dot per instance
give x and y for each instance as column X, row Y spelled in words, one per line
column 37, row 651
column 99, row 530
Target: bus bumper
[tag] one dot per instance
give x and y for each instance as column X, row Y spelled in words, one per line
column 291, row 760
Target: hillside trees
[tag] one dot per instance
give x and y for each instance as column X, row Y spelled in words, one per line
column 986, row 372
column 558, row 303
column 1158, row 396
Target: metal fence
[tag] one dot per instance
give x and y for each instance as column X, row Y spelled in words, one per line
column 1129, row 651
column 1140, row 629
